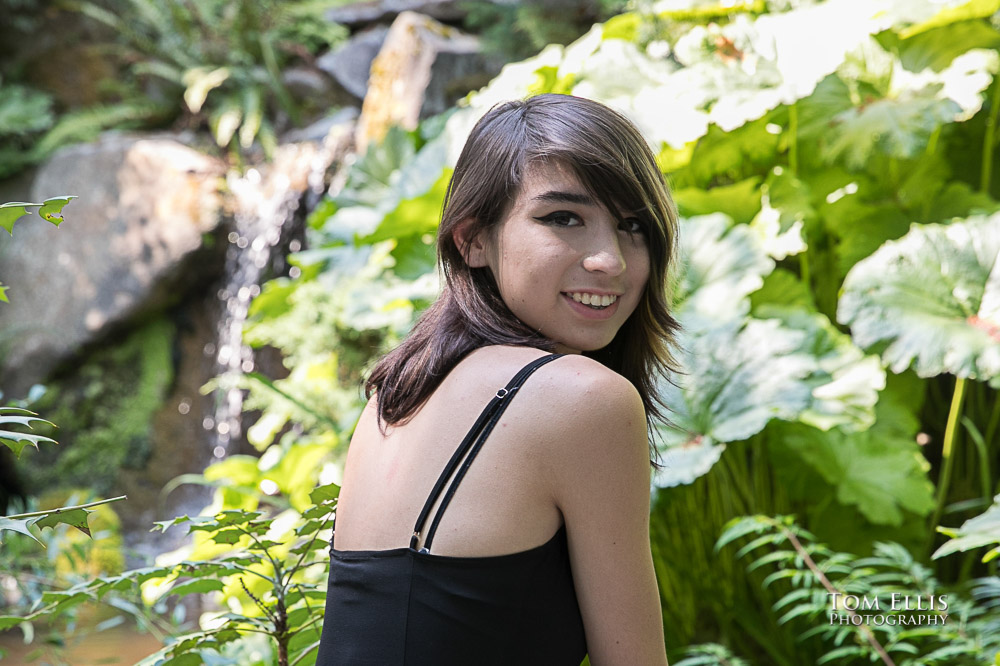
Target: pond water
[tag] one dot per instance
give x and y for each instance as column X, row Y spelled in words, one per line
column 118, row 645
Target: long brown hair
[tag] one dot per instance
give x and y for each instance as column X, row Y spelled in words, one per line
column 613, row 162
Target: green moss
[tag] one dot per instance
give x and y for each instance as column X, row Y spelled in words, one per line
column 104, row 412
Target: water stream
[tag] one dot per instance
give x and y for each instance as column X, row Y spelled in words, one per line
column 266, row 202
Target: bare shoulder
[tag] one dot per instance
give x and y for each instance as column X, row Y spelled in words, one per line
column 593, row 385
column 585, row 407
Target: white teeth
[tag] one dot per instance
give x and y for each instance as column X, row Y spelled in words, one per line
column 593, row 300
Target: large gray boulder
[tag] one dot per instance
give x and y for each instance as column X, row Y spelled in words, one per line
column 350, row 63
column 362, row 13
column 130, row 242
column 423, row 68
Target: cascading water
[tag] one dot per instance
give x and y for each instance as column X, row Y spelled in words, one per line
column 265, row 202
column 262, row 212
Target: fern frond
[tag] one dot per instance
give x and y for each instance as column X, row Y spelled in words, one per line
column 86, row 124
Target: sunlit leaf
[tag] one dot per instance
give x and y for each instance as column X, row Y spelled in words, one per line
column 937, row 48
column 740, row 201
column 12, row 212
column 978, row 532
column 897, row 127
column 734, row 380
column 198, row 586
column 51, row 209
column 16, row 441
column 845, row 383
column 21, row 526
column 933, row 297
column 722, row 264
column 782, row 287
column 951, row 12
column 200, row 81
column 75, row 518
column 416, row 216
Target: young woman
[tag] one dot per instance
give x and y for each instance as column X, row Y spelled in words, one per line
column 524, row 501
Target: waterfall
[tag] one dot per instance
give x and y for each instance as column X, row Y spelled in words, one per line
column 263, row 208
column 265, row 201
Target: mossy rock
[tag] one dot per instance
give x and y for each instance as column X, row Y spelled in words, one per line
column 104, row 412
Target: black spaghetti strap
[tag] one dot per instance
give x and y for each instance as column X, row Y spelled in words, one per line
column 474, row 440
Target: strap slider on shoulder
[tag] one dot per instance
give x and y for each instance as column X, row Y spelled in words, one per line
column 502, row 393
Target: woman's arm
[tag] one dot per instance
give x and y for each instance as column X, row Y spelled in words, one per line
column 601, row 482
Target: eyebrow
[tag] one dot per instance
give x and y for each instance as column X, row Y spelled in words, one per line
column 556, row 196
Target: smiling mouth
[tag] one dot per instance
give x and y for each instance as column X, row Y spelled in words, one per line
column 593, row 301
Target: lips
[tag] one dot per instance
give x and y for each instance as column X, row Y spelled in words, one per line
column 586, row 311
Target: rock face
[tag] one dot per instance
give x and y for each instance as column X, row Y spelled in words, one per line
column 363, row 13
column 350, row 64
column 423, row 68
column 131, row 241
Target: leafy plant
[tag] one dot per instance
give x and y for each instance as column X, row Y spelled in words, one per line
column 24, row 114
column 31, row 129
column 983, row 530
column 792, row 162
column 900, row 615
column 262, row 557
column 518, row 30
column 220, row 61
column 76, row 516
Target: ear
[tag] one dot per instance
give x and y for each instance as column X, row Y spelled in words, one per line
column 471, row 246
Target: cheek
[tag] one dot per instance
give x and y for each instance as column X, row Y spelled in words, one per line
column 639, row 264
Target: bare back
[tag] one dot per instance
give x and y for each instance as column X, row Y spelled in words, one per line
column 504, row 503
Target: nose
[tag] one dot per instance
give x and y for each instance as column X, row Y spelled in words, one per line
column 604, row 254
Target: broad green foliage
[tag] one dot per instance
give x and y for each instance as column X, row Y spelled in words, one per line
column 793, row 161
column 738, row 373
column 934, row 295
column 223, row 59
column 983, row 530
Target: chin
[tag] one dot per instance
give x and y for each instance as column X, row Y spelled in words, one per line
column 581, row 346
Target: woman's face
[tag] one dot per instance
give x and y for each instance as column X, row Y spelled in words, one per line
column 564, row 265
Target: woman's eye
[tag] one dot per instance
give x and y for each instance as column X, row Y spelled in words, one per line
column 561, row 218
column 633, row 225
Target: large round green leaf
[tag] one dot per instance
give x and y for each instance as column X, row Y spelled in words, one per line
column 845, row 383
column 933, row 297
column 722, row 264
column 734, row 380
